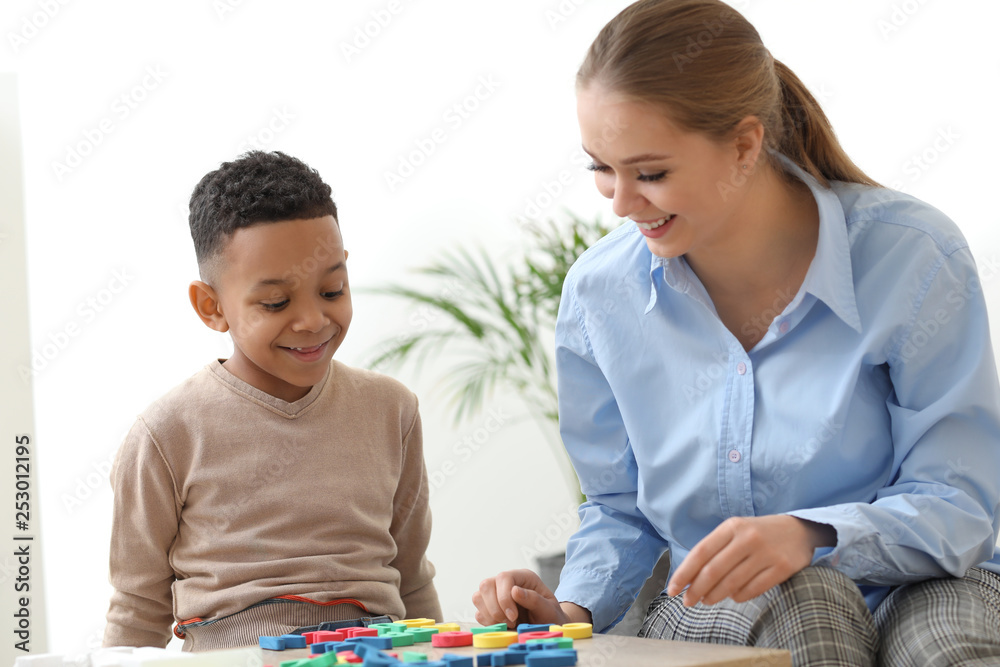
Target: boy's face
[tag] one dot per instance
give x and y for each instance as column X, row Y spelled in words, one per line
column 282, row 291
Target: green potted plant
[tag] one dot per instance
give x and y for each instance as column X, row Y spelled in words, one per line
column 497, row 322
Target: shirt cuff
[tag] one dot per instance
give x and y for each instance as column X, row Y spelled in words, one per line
column 600, row 596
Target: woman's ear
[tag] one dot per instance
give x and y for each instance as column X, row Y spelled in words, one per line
column 749, row 142
column 205, row 302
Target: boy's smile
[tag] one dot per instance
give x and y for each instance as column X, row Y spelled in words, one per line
column 282, row 293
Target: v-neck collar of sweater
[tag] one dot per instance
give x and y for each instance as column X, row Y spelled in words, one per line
column 248, row 391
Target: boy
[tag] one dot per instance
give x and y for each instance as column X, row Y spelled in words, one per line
column 278, row 488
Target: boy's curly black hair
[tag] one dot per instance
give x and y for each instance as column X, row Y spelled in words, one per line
column 254, row 188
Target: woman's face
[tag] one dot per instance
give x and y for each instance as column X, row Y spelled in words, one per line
column 682, row 189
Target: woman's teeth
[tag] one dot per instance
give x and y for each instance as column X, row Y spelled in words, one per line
column 655, row 223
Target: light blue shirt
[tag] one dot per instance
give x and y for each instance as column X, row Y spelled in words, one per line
column 870, row 404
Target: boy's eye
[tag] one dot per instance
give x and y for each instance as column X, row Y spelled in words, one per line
column 333, row 295
column 274, row 305
column 652, row 178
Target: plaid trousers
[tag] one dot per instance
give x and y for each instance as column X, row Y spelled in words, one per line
column 820, row 616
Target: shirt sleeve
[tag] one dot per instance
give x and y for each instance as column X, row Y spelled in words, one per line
column 612, row 554
column 411, row 530
column 146, row 515
column 938, row 515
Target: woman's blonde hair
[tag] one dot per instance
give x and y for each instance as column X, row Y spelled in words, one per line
column 704, row 64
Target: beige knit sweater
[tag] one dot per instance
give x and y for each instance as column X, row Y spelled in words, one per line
column 226, row 496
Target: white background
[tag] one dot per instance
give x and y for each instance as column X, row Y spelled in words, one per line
column 893, row 76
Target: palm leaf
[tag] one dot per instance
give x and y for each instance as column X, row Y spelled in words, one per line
column 496, row 320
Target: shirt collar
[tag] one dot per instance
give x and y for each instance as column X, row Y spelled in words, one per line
column 830, row 277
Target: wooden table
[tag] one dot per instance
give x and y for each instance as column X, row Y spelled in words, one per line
column 612, row 650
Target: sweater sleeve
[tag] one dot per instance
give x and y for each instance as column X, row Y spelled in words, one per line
column 146, row 514
column 411, row 530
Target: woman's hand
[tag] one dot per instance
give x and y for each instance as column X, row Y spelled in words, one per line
column 519, row 596
column 747, row 556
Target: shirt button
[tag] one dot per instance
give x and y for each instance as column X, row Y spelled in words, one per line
column 734, row 456
column 783, row 327
column 741, row 368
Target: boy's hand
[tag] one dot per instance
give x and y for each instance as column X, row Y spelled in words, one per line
column 746, row 556
column 519, row 596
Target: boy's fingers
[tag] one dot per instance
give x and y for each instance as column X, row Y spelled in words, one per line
column 532, row 601
column 481, row 618
column 496, row 603
column 489, row 607
column 505, row 582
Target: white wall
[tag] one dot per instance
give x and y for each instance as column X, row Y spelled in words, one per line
column 21, row 573
column 198, row 81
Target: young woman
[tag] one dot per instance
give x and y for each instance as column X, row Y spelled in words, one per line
column 779, row 371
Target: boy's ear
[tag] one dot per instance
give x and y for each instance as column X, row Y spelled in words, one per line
column 205, row 302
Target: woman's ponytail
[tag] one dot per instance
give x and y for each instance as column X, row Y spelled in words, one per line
column 807, row 136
